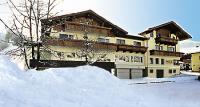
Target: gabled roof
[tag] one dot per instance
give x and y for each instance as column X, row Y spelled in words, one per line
column 92, row 14
column 172, row 27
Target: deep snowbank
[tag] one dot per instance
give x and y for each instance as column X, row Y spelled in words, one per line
column 84, row 86
column 88, row 86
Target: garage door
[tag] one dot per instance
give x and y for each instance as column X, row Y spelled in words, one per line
column 123, row 73
column 136, row 73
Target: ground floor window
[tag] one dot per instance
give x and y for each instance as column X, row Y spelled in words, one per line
column 170, row 71
column 174, row 71
column 157, row 60
column 151, row 71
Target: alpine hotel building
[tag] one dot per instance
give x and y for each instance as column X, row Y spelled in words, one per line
column 153, row 53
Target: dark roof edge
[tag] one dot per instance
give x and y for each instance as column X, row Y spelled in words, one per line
column 164, row 24
column 134, row 37
column 89, row 11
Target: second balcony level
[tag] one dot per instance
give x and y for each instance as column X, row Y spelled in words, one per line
column 95, row 44
column 165, row 53
column 166, row 40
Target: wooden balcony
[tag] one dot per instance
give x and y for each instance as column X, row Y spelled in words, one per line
column 131, row 48
column 97, row 45
column 166, row 40
column 78, row 43
column 74, row 26
column 165, row 53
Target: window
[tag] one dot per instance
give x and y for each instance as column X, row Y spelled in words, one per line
column 132, row 58
column 161, row 48
column 162, row 61
column 151, row 34
column 157, row 47
column 171, row 49
column 157, row 60
column 176, row 62
column 103, row 40
column 141, row 59
column 120, row 41
column 174, row 71
column 151, row 70
column 66, row 36
column 170, row 71
column 138, row 59
column 158, row 35
column 135, row 43
column 151, row 60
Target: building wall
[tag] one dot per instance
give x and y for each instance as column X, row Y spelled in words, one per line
column 126, row 62
column 123, row 60
column 168, row 60
column 110, row 54
column 196, row 62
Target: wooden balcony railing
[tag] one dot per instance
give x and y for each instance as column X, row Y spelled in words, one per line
column 166, row 40
column 131, row 48
column 83, row 27
column 77, row 43
column 165, row 53
column 97, row 45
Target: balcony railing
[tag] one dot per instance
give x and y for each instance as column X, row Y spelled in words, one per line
column 131, row 48
column 166, row 40
column 97, row 45
column 77, row 43
column 165, row 53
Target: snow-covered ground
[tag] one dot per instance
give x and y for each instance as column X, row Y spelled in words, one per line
column 88, row 86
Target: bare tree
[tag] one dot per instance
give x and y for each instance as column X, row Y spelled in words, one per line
column 26, row 24
column 90, row 51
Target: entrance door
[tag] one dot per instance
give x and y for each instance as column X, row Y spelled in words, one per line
column 159, row 73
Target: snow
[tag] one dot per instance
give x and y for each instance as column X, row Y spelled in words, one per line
column 190, row 73
column 89, row 86
column 8, row 49
column 12, row 49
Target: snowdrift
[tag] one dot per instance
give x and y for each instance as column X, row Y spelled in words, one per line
column 84, row 86
column 89, row 86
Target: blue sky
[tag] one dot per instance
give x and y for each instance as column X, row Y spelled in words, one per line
column 136, row 15
column 146, row 13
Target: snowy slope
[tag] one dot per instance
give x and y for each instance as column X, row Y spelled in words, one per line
column 88, row 86
column 84, row 86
